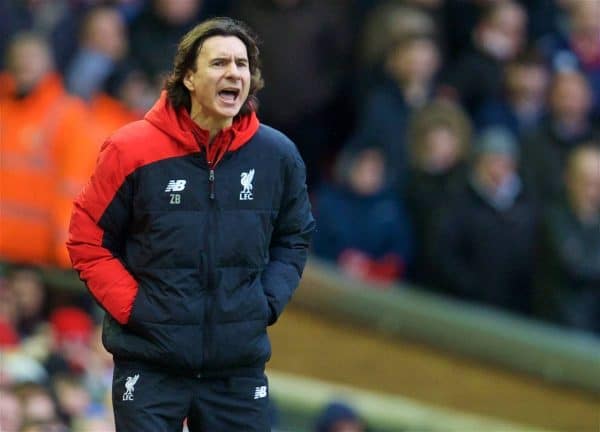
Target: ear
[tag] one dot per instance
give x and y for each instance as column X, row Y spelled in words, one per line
column 188, row 82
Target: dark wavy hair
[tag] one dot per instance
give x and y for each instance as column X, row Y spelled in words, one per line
column 189, row 48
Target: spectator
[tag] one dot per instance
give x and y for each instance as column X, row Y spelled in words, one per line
column 362, row 227
column 486, row 237
column 521, row 106
column 73, row 399
column 102, row 46
column 37, row 403
column 304, row 42
column 440, row 140
column 44, row 130
column 123, row 98
column 410, row 65
column 498, row 38
column 568, row 277
column 577, row 46
column 31, row 297
column 388, row 21
column 108, row 114
column 72, row 331
column 568, row 124
column 158, row 29
column 42, row 17
column 339, row 417
column 128, row 91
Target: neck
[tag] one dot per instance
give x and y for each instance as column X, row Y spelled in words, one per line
column 586, row 213
column 212, row 124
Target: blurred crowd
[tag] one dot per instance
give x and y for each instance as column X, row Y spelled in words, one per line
column 453, row 145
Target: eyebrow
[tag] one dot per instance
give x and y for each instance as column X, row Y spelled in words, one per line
column 227, row 57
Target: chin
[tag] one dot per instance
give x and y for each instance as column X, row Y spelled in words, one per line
column 230, row 113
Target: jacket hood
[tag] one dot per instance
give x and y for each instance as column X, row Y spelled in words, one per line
column 180, row 127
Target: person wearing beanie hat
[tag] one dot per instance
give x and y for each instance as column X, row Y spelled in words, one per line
column 486, row 236
column 495, row 167
column 339, row 417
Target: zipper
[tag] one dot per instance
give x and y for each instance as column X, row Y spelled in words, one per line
column 210, row 264
column 211, row 183
column 212, row 220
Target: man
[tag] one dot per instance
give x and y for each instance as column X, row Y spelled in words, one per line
column 568, row 275
column 567, row 125
column 486, row 236
column 192, row 234
column 46, row 136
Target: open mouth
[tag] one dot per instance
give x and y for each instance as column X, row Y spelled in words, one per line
column 229, row 95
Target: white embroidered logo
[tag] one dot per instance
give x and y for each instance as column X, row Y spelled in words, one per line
column 260, row 392
column 175, row 185
column 129, row 387
column 246, row 180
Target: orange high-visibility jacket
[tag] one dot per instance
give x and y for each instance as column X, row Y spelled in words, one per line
column 44, row 138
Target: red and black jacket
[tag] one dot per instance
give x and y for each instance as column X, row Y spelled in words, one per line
column 191, row 260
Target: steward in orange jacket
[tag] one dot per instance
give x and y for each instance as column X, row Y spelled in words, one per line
column 45, row 136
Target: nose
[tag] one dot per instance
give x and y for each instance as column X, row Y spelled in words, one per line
column 233, row 71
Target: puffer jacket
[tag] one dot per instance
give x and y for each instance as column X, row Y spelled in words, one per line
column 191, row 262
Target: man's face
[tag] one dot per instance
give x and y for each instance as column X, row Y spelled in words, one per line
column 442, row 150
column 504, row 34
column 29, row 62
column 220, row 85
column 494, row 169
column 570, row 97
column 583, row 182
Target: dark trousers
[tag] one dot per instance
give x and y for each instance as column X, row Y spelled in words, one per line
column 147, row 398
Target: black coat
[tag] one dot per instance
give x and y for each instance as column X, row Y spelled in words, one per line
column 568, row 275
column 484, row 254
column 545, row 154
column 191, row 264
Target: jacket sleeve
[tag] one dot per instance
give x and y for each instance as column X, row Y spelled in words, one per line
column 290, row 241
column 97, row 231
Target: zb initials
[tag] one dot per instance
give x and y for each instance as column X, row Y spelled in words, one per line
column 175, row 199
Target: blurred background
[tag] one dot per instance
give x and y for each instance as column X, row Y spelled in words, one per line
column 453, row 157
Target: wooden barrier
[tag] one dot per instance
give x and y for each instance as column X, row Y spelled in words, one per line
column 556, row 354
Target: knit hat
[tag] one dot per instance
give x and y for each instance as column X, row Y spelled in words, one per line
column 497, row 140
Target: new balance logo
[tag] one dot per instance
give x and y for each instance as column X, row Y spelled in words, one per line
column 175, row 185
column 260, row 392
